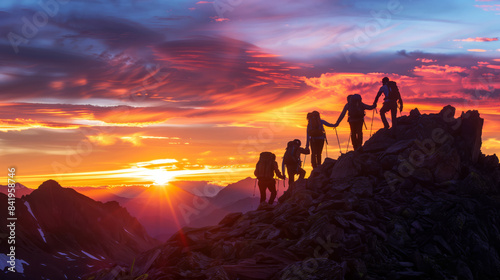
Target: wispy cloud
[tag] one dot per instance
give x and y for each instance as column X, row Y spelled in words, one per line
column 478, row 39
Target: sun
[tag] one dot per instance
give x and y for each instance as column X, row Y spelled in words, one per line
column 160, row 176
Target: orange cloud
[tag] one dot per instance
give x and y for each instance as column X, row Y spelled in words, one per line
column 426, row 60
column 476, row 50
column 19, row 124
column 438, row 69
column 493, row 66
column 478, row 39
column 135, row 139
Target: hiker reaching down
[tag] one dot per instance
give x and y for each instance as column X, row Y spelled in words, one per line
column 292, row 162
column 356, row 118
column 391, row 100
column 264, row 171
column 316, row 136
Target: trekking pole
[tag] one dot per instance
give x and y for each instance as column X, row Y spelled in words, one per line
column 371, row 126
column 254, row 187
column 348, row 140
column 326, row 148
column 338, row 140
column 278, row 188
column 304, row 163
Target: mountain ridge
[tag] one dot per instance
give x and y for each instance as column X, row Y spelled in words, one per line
column 421, row 202
column 61, row 233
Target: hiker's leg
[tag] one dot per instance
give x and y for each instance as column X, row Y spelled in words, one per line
column 302, row 173
column 360, row 135
column 385, row 108
column 358, row 132
column 291, row 176
column 394, row 115
column 314, row 148
column 262, row 188
column 321, row 144
column 272, row 189
column 354, row 141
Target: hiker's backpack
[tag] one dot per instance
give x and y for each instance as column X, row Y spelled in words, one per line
column 265, row 165
column 315, row 128
column 290, row 158
column 394, row 93
column 355, row 107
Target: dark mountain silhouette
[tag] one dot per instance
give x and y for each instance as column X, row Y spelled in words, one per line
column 236, row 197
column 233, row 192
column 127, row 191
column 421, row 205
column 214, row 214
column 165, row 210
column 102, row 194
column 198, row 188
column 20, row 190
column 61, row 234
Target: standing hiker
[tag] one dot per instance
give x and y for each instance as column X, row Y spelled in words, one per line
column 356, row 118
column 391, row 99
column 264, row 171
column 292, row 162
column 316, row 136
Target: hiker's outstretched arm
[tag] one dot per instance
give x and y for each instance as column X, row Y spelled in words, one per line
column 327, row 123
column 307, row 137
column 341, row 117
column 369, row 107
column 378, row 95
column 277, row 170
column 304, row 151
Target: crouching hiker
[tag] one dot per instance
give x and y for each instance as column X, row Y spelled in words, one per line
column 292, row 162
column 264, row 171
column 356, row 119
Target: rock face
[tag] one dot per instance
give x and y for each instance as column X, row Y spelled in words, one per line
column 421, row 205
column 61, row 234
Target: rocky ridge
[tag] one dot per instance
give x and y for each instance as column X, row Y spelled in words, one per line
column 423, row 204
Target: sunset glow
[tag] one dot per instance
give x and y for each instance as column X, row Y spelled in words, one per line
column 132, row 92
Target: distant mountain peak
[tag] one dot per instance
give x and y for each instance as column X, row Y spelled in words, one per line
column 50, row 185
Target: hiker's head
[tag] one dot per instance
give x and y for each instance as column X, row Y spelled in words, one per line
column 309, row 115
column 385, row 80
column 349, row 98
column 298, row 142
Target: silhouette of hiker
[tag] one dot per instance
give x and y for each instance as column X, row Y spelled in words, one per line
column 316, row 136
column 264, row 171
column 392, row 97
column 292, row 162
column 356, row 118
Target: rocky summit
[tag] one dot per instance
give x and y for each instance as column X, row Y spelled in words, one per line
column 421, row 202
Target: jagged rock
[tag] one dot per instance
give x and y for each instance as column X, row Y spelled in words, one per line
column 362, row 186
column 415, row 113
column 230, row 219
column 314, row 269
column 344, row 167
column 471, row 130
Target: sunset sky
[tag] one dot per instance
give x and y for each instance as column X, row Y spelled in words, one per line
column 117, row 92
